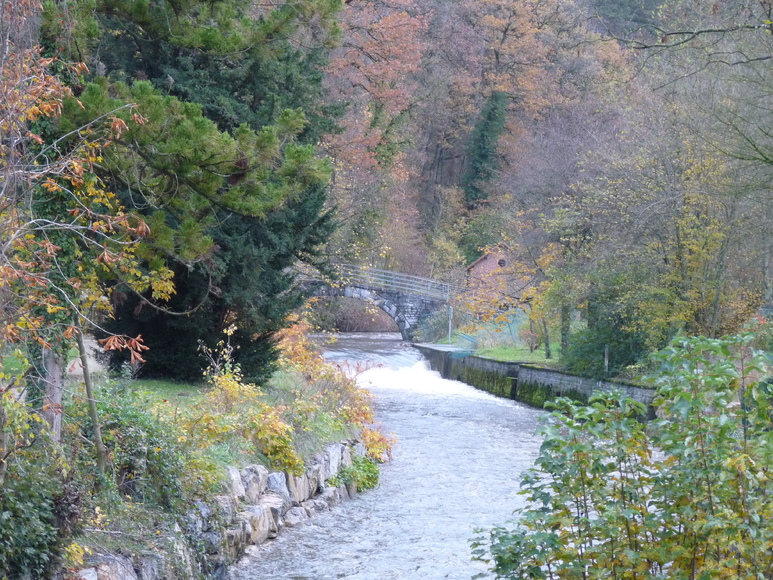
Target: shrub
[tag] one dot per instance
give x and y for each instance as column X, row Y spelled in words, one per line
column 327, row 395
column 363, row 472
column 585, row 355
column 146, row 460
column 308, row 404
column 35, row 517
column 233, row 410
column 687, row 496
column 377, row 445
column 315, row 417
column 28, row 534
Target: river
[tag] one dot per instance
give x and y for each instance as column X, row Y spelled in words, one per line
column 456, row 468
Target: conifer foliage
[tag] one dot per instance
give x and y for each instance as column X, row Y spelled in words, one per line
column 218, row 158
column 482, row 150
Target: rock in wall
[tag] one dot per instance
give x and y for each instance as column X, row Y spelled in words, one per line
column 256, row 506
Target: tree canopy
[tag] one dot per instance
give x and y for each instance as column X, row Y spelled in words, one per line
column 217, row 157
column 619, row 149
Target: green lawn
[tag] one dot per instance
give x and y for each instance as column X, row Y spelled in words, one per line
column 176, row 394
column 521, row 354
column 12, row 363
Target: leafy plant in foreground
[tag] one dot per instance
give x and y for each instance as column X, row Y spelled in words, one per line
column 36, row 514
column 331, row 390
column 686, row 496
column 233, row 411
column 363, row 472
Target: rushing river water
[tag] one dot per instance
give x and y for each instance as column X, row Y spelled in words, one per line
column 456, row 468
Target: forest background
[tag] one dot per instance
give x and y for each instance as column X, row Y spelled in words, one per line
column 169, row 166
column 620, row 161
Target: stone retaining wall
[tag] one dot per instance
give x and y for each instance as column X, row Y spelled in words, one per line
column 520, row 381
column 258, row 505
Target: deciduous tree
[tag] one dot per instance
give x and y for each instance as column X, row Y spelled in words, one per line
column 65, row 240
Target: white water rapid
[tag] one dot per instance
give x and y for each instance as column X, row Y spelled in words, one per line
column 456, row 468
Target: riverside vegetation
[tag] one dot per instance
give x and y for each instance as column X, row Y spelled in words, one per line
column 621, row 163
column 56, row 509
column 686, row 496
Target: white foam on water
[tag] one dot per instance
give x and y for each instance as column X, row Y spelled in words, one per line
column 419, row 379
column 455, row 468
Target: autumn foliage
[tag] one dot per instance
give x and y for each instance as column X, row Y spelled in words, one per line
column 286, row 421
column 66, row 241
column 333, row 388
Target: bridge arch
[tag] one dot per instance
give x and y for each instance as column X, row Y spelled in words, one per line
column 408, row 300
column 385, row 303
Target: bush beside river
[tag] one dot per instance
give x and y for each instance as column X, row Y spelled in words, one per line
column 168, row 447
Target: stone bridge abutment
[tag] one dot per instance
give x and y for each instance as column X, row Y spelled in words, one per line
column 407, row 310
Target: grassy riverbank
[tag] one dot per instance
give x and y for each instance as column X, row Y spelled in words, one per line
column 516, row 353
column 501, row 341
column 166, row 445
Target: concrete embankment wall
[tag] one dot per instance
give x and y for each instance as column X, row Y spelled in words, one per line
column 520, row 381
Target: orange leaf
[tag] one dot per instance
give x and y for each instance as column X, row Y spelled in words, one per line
column 118, row 126
column 36, row 138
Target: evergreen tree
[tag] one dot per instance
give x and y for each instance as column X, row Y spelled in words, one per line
column 239, row 66
column 245, row 282
column 218, row 158
column 482, row 155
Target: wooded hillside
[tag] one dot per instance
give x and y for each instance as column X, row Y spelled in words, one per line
column 617, row 148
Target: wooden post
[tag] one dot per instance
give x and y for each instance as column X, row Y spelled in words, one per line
column 450, row 321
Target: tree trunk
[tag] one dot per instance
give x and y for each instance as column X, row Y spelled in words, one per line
column 548, row 352
column 720, row 281
column 52, row 376
column 4, row 440
column 767, row 255
column 566, row 314
column 93, row 413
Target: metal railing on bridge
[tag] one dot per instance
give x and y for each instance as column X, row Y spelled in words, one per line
column 387, row 280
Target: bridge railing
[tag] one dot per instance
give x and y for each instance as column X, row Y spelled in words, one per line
column 386, row 280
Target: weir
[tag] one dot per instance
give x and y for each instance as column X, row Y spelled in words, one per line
column 520, row 381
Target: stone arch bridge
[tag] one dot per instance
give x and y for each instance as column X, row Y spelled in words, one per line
column 409, row 300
